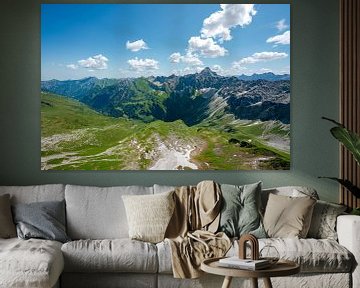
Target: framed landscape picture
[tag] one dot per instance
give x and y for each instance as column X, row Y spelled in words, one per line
column 165, row 86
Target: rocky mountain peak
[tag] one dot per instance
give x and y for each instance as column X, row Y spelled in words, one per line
column 208, row 72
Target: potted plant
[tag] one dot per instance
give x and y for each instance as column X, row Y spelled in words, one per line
column 351, row 141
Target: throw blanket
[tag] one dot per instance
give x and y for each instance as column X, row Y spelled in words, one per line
column 191, row 231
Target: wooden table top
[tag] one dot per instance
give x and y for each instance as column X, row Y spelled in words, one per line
column 281, row 268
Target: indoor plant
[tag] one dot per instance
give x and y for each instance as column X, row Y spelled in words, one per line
column 351, row 141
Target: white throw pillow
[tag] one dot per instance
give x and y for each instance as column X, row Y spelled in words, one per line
column 149, row 215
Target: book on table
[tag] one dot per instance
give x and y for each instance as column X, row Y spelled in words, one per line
column 236, row 262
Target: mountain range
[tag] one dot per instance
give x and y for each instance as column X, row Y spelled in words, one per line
column 191, row 98
column 269, row 76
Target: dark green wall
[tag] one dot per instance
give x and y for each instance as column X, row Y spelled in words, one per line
column 314, row 88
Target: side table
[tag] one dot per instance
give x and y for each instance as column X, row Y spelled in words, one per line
column 281, row 268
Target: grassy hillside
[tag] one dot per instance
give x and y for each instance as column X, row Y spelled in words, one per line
column 75, row 137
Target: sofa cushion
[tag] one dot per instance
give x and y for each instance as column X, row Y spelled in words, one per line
column 313, row 255
column 36, row 193
column 30, row 263
column 117, row 255
column 240, row 210
column 287, row 216
column 98, row 213
column 291, row 191
column 149, row 215
column 43, row 220
column 323, row 222
column 7, row 226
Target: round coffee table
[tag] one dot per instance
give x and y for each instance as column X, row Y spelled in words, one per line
column 281, row 268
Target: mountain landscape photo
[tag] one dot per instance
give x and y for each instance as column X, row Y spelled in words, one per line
column 202, row 108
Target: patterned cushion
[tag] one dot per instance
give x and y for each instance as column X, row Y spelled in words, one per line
column 323, row 223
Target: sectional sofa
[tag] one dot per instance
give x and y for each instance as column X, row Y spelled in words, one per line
column 102, row 255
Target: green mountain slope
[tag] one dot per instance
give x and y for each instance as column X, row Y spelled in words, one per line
column 75, row 137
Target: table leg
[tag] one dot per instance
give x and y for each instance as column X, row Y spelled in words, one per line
column 227, row 282
column 267, row 283
column 254, row 282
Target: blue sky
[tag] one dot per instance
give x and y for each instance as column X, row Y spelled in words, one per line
column 132, row 40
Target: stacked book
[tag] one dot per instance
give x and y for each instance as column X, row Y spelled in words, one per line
column 248, row 264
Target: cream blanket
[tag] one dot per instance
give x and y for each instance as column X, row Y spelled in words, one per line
column 191, row 231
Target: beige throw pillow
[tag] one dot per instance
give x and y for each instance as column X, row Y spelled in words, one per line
column 148, row 215
column 7, row 226
column 288, row 217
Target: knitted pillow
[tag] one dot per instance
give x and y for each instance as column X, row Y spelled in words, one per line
column 149, row 215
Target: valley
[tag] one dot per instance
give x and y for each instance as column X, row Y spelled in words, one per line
column 201, row 121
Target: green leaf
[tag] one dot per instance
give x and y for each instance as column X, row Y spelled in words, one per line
column 347, row 184
column 348, row 138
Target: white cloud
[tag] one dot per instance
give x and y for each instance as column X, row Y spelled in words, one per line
column 280, row 39
column 189, row 59
column 98, row 62
column 188, row 70
column 206, row 47
column 216, row 67
column 219, row 23
column 136, row 45
column 260, row 57
column 265, row 70
column 175, row 57
column 237, row 66
column 140, row 65
column 281, row 26
column 72, row 66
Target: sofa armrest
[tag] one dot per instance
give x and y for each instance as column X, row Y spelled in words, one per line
column 348, row 230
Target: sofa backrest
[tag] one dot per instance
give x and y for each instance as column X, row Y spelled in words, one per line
column 98, row 212
column 35, row 193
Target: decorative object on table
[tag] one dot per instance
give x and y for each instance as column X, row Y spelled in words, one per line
column 247, row 264
column 241, row 261
column 270, row 253
column 254, row 246
column 160, row 92
column 351, row 142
